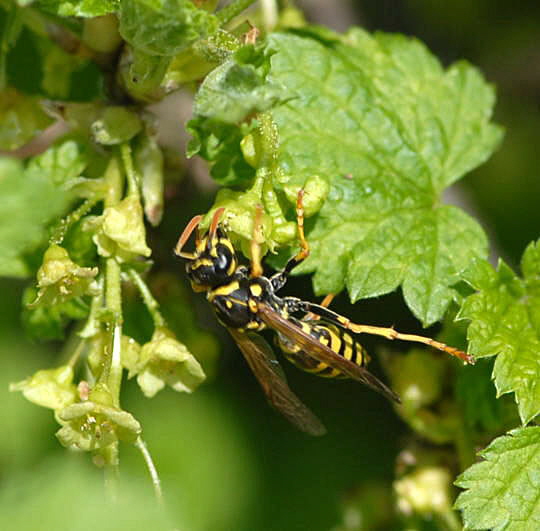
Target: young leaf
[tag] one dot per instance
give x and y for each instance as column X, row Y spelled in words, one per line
column 21, row 118
column 164, row 27
column 503, row 490
column 505, row 321
column 77, row 8
column 60, row 163
column 388, row 128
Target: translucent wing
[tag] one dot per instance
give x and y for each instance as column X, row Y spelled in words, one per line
column 266, row 368
column 323, row 353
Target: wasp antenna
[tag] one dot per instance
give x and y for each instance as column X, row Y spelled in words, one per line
column 215, row 220
column 190, row 227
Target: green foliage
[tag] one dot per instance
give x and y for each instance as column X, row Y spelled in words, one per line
column 77, row 8
column 372, row 128
column 503, row 489
column 389, row 129
column 504, row 315
column 28, row 203
column 163, row 27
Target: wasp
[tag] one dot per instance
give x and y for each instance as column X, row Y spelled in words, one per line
column 310, row 335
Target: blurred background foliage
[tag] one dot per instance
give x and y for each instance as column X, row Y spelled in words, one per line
column 228, row 461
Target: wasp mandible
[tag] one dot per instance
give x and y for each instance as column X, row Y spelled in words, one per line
column 310, row 335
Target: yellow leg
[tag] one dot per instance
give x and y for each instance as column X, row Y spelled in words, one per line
column 388, row 333
column 304, row 245
column 256, row 266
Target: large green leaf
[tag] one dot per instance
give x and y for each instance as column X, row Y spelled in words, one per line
column 503, row 491
column 505, row 321
column 28, row 202
column 389, row 129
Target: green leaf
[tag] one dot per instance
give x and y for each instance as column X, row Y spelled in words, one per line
column 21, row 119
column 60, row 163
column 389, row 129
column 163, row 27
column 503, row 490
column 505, row 321
column 28, row 203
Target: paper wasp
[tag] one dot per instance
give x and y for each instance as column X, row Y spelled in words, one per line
column 313, row 337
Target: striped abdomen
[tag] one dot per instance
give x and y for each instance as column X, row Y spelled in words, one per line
column 337, row 339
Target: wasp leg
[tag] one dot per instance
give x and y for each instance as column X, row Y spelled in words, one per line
column 294, row 304
column 310, row 316
column 279, row 279
column 256, row 266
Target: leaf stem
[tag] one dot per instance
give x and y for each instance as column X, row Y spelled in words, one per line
column 147, row 297
column 236, row 7
column 156, row 482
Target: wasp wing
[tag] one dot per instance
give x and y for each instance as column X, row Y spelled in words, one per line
column 321, row 352
column 266, row 368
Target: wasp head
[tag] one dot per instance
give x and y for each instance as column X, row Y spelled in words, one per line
column 214, row 261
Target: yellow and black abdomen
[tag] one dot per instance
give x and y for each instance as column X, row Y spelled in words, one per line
column 337, row 339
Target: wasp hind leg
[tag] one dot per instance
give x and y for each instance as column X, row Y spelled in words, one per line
column 279, row 279
column 389, row 333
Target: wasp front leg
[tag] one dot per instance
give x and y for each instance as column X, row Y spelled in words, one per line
column 279, row 279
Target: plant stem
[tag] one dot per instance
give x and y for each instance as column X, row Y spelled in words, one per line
column 147, row 297
column 133, row 186
column 156, row 482
column 92, row 324
column 112, row 363
column 236, row 7
column 113, row 301
column 60, row 231
column 269, row 10
column 11, row 29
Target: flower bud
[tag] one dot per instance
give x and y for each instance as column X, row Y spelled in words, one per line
column 166, row 361
column 426, row 490
column 60, row 279
column 122, row 230
column 95, row 423
column 52, row 388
